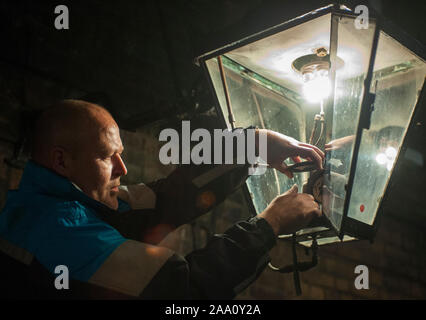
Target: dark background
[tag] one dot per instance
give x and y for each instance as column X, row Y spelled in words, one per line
column 136, row 59
column 137, row 56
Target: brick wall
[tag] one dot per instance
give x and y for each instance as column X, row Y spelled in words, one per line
column 395, row 268
column 9, row 176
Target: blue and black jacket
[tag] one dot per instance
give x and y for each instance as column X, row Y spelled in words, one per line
column 126, row 253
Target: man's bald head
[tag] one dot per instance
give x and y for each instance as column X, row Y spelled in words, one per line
column 81, row 142
column 68, row 124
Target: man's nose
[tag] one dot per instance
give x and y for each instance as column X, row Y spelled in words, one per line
column 119, row 166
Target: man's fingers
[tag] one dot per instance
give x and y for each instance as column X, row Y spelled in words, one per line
column 318, row 212
column 318, row 150
column 317, row 209
column 306, row 152
column 288, row 173
column 314, row 205
column 296, row 159
column 283, row 169
column 293, row 189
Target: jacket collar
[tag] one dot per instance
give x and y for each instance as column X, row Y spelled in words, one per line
column 39, row 179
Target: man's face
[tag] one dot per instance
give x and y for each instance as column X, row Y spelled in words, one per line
column 98, row 165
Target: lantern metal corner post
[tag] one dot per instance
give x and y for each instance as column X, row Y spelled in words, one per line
column 367, row 84
column 367, row 106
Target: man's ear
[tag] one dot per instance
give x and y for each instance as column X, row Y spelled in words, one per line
column 59, row 161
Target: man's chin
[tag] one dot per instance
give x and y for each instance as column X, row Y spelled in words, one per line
column 109, row 199
column 112, row 202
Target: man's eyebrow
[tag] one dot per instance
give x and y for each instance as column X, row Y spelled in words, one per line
column 110, row 150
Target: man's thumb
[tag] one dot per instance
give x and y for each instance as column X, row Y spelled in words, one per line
column 293, row 189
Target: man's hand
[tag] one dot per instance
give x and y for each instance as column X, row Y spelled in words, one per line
column 339, row 143
column 290, row 211
column 281, row 147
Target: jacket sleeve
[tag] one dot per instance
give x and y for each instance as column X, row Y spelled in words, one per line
column 187, row 193
column 191, row 191
column 160, row 208
column 226, row 266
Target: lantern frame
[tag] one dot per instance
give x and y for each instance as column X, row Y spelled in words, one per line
column 349, row 226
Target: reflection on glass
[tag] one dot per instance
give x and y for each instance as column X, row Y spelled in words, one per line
column 387, row 158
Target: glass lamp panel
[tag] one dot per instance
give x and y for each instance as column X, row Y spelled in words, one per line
column 266, row 91
column 272, row 57
column 260, row 102
column 397, row 81
column 353, row 58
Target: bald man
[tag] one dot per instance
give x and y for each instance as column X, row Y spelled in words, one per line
column 71, row 212
column 81, row 142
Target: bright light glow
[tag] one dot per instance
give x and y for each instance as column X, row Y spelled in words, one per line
column 387, row 158
column 381, row 159
column 391, row 152
column 316, row 86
